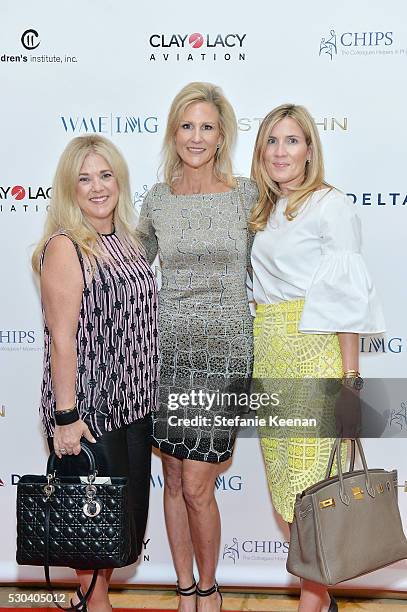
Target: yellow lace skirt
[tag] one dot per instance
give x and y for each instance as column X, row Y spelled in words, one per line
column 281, row 352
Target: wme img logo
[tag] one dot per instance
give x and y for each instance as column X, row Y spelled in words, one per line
column 222, row 483
column 109, row 124
column 379, row 344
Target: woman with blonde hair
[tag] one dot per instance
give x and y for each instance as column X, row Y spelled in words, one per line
column 197, row 223
column 99, row 302
column 313, row 294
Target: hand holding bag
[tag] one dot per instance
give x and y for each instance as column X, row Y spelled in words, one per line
column 71, row 521
column 346, row 525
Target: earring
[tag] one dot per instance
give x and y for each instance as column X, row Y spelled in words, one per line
column 218, row 146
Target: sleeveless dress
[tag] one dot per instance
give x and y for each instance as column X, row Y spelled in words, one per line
column 205, row 325
column 117, row 342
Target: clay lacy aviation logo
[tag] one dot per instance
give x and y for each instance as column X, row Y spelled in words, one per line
column 17, row 198
column 197, row 47
column 358, row 43
column 255, row 550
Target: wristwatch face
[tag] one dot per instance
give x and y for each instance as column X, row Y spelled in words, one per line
column 354, row 383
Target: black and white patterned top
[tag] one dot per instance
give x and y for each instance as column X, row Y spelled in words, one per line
column 117, row 342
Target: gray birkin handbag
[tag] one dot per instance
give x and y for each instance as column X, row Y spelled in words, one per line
column 346, row 525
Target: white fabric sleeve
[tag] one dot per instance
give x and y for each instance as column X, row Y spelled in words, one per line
column 341, row 296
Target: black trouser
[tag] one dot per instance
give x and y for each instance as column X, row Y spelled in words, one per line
column 121, row 452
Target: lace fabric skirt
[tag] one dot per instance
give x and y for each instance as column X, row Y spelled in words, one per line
column 282, row 352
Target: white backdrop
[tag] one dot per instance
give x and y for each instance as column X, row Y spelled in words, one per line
column 113, row 67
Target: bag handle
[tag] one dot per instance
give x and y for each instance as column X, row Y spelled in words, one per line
column 336, row 451
column 51, row 467
column 351, row 462
column 83, row 598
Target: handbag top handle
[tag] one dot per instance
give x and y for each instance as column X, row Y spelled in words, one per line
column 336, row 451
column 332, row 457
column 52, row 460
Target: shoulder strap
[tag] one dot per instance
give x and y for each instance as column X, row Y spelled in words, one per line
column 81, row 605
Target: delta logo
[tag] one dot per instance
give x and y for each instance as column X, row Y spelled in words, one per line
column 197, row 47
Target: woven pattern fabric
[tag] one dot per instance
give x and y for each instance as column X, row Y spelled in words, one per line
column 205, row 325
column 281, row 352
column 76, row 540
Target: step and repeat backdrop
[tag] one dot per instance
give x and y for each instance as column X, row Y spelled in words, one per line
column 112, row 67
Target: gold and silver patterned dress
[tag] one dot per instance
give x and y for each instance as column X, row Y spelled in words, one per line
column 205, row 326
column 309, row 282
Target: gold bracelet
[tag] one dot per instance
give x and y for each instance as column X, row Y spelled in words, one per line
column 351, row 374
column 67, row 411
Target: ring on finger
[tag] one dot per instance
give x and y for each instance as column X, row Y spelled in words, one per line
column 63, row 451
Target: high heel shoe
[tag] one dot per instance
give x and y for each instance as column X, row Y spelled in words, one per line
column 333, row 606
column 188, row 591
column 79, row 608
column 206, row 592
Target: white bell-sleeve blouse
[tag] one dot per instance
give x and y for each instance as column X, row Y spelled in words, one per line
column 317, row 257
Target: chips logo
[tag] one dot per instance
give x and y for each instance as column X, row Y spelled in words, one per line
column 358, row 43
column 255, row 550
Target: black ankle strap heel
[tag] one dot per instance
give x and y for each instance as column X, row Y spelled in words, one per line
column 188, row 591
column 78, row 607
column 333, row 606
column 206, row 592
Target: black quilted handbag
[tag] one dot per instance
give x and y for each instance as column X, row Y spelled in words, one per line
column 72, row 521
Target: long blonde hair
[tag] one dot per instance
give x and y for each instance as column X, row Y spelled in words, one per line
column 64, row 213
column 269, row 191
column 200, row 92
